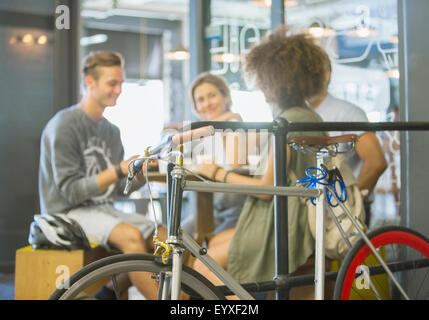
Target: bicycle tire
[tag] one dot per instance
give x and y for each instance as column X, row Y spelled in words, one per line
column 388, row 240
column 192, row 282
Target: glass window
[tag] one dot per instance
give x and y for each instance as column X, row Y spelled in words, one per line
column 143, row 32
column 361, row 38
column 139, row 113
column 234, row 27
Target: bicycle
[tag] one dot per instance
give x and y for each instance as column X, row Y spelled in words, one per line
column 366, row 249
column 166, row 264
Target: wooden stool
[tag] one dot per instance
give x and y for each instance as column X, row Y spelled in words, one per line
column 39, row 272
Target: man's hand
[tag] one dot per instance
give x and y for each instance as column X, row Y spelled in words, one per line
column 124, row 164
column 124, row 168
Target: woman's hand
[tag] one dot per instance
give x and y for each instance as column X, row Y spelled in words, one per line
column 207, row 169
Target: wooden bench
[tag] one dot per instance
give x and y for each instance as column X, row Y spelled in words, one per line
column 39, row 272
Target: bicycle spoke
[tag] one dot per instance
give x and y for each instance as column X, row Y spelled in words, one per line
column 115, row 287
column 161, row 277
column 421, row 283
column 110, row 267
column 403, row 251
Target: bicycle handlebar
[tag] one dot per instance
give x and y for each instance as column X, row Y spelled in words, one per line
column 182, row 137
column 173, row 140
column 193, row 134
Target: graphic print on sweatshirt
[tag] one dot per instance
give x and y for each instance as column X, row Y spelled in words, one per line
column 97, row 158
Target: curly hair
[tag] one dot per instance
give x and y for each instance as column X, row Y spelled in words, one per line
column 288, row 69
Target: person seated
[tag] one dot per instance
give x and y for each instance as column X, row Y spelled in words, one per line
column 288, row 70
column 367, row 159
column 82, row 168
column 211, row 101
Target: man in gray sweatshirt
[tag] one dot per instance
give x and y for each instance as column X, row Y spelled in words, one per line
column 82, row 167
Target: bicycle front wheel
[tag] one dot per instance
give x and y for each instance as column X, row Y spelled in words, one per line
column 405, row 251
column 193, row 283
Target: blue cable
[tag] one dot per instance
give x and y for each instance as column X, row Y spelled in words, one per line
column 314, row 179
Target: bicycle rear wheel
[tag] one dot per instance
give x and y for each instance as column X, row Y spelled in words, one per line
column 193, row 283
column 407, row 254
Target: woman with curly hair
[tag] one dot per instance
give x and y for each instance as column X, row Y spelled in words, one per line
column 288, row 70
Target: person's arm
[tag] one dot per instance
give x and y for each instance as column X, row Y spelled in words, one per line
column 106, row 178
column 235, row 146
column 66, row 159
column 373, row 161
column 208, row 170
column 110, row 176
column 139, row 179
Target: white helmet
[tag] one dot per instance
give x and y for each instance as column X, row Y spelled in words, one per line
column 57, row 231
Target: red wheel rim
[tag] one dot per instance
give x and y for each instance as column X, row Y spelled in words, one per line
column 385, row 238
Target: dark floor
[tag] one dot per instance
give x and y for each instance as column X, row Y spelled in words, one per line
column 7, row 286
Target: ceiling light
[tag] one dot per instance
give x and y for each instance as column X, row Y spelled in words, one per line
column 393, row 73
column 27, row 39
column 290, row 3
column 317, row 30
column 362, row 32
column 95, row 39
column 42, row 40
column 262, row 3
column 226, row 58
column 178, row 54
column 394, row 39
column 13, row 40
column 268, row 3
column 320, row 32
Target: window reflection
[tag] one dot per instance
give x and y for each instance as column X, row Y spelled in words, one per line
column 234, row 27
column 139, row 114
column 361, row 38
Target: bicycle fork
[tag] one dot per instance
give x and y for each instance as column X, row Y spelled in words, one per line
column 178, row 239
column 174, row 239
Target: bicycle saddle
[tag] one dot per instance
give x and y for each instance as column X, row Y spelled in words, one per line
column 323, row 141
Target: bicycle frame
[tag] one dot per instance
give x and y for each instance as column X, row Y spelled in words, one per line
column 177, row 238
column 322, row 207
column 280, row 128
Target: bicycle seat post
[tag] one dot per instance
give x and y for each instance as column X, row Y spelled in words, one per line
column 322, row 147
column 319, row 279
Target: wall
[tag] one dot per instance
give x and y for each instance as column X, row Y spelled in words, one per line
column 26, row 103
column 414, row 107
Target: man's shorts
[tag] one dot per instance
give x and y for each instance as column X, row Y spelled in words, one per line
column 99, row 221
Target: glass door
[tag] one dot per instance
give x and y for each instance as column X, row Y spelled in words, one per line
column 361, row 39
